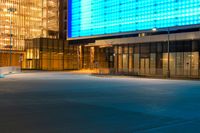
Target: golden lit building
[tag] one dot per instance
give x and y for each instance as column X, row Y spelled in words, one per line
column 28, row 19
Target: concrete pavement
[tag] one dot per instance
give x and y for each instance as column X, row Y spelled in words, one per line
column 61, row 102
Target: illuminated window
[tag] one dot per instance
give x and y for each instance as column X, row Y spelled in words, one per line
column 99, row 17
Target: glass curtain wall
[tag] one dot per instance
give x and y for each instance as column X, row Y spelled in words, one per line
column 44, row 54
column 72, row 59
column 51, row 54
column 152, row 59
column 50, row 18
column 26, row 22
column 95, row 57
column 30, row 19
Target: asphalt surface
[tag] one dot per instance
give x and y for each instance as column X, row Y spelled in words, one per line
column 60, row 102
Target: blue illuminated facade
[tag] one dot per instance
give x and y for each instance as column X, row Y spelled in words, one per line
column 102, row 17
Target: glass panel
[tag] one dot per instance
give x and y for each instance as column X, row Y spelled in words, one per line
column 153, row 63
column 179, row 64
column 126, row 50
column 165, row 63
column 130, row 62
column 119, row 50
column 115, row 49
column 144, row 66
column 130, row 50
column 187, row 63
column 172, row 64
column 195, row 63
column 136, row 63
column 125, row 62
column 120, row 62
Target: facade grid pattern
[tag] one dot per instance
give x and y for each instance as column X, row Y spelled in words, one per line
column 99, row 17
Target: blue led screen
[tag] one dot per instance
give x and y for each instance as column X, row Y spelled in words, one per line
column 100, row 17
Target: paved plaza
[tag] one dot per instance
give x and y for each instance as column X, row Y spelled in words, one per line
column 63, row 102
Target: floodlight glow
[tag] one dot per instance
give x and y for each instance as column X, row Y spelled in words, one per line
column 101, row 17
column 154, row 29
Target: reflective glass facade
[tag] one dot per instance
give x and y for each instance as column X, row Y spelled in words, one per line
column 151, row 59
column 50, row 54
column 99, row 17
column 30, row 19
column 26, row 22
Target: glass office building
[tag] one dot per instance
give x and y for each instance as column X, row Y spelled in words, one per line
column 29, row 19
column 145, row 37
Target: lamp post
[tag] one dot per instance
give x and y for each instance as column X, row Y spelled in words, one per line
column 11, row 11
column 168, row 49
